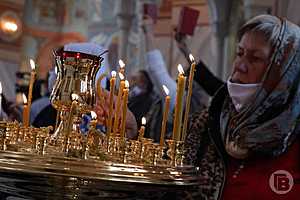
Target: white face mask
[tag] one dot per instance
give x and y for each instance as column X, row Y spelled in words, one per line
column 241, row 93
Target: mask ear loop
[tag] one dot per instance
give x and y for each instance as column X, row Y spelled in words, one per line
column 277, row 45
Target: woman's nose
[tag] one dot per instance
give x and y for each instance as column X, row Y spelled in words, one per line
column 243, row 68
column 242, row 65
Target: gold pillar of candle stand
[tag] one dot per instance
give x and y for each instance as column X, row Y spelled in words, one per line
column 70, row 124
column 188, row 98
column 76, row 75
column 179, row 104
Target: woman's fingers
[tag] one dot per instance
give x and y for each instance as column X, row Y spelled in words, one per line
column 102, row 111
column 131, row 125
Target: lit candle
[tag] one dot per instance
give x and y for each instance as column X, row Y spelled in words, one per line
column 189, row 96
column 165, row 116
column 1, row 99
column 122, row 67
column 111, row 100
column 32, row 79
column 74, row 98
column 25, row 112
column 142, row 129
column 94, row 119
column 118, row 104
column 99, row 89
column 125, row 100
column 179, row 104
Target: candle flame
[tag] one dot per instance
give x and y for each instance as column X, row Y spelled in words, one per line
column 126, row 84
column 74, row 97
column 144, row 121
column 180, row 69
column 32, row 64
column 9, row 26
column 121, row 63
column 191, row 58
column 0, row 87
column 24, row 98
column 113, row 74
column 166, row 90
column 94, row 115
column 121, row 76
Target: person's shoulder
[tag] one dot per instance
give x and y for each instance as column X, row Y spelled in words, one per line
column 199, row 119
column 41, row 101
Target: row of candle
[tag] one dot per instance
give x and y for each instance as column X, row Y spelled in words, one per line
column 113, row 127
column 26, row 103
column 179, row 129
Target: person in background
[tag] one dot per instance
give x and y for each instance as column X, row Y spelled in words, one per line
column 39, row 104
column 160, row 76
column 43, row 114
column 145, row 102
column 10, row 110
column 203, row 76
column 251, row 129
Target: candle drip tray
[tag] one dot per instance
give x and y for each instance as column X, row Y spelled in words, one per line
column 30, row 176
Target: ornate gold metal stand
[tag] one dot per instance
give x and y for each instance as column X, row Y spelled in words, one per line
column 91, row 158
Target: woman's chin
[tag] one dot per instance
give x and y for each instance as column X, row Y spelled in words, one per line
column 236, row 80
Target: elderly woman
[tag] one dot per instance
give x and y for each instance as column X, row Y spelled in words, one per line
column 251, row 128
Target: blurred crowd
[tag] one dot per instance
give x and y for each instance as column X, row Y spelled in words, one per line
column 146, row 96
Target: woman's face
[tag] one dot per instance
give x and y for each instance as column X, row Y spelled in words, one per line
column 137, row 79
column 252, row 59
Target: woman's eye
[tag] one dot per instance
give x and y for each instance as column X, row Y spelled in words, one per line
column 257, row 59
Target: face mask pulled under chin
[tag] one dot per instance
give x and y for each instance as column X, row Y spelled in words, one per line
column 241, row 94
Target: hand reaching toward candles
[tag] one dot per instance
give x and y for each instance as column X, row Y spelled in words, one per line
column 102, row 110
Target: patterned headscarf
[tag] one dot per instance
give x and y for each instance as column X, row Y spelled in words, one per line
column 269, row 124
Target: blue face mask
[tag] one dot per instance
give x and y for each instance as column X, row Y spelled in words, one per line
column 241, row 94
column 135, row 91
